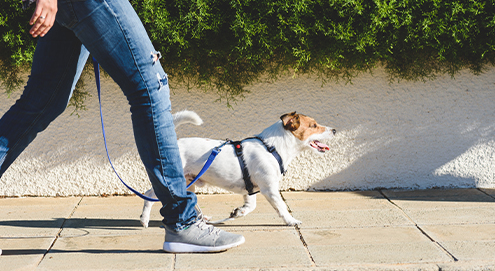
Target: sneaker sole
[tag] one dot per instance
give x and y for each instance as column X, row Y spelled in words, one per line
column 189, row 248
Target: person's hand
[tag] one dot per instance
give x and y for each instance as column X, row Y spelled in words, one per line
column 43, row 17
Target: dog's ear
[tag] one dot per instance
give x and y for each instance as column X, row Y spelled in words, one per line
column 291, row 121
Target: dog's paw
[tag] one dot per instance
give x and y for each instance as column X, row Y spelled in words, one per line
column 144, row 221
column 238, row 212
column 293, row 222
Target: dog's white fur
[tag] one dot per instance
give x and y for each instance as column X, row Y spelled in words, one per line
column 291, row 135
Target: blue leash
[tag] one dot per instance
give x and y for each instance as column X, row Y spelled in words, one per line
column 210, row 159
column 212, row 156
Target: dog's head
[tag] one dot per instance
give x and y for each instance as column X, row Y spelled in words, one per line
column 308, row 131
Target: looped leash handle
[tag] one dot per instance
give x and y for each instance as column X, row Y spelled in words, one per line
column 96, row 67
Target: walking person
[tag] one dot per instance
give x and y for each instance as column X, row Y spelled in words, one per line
column 68, row 31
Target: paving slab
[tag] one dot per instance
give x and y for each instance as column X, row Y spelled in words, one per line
column 392, row 245
column 414, row 204
column 482, row 214
column 439, row 198
column 34, row 217
column 465, row 242
column 372, row 235
column 471, row 250
column 351, row 219
column 472, row 232
column 263, row 249
column 112, row 200
column 23, row 253
column 346, row 209
column 220, row 206
column 318, row 195
column 462, row 195
column 340, row 203
column 354, row 267
column 223, row 204
column 489, row 191
column 399, row 253
column 108, row 216
column 449, row 206
column 143, row 252
column 482, row 265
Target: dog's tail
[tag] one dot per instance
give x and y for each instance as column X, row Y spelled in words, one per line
column 186, row 116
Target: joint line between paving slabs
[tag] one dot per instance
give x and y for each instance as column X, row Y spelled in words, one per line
column 301, row 237
column 420, row 229
column 59, row 231
column 485, row 193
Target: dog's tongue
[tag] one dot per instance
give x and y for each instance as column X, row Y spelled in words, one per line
column 319, row 146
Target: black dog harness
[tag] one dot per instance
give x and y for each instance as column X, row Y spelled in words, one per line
column 245, row 173
column 214, row 152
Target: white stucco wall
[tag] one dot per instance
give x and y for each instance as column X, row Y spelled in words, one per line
column 401, row 135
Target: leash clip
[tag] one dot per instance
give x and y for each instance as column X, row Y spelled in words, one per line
column 214, row 152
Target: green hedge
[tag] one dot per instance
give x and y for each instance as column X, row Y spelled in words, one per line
column 226, row 45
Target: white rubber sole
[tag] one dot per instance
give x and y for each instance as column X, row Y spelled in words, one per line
column 188, row 248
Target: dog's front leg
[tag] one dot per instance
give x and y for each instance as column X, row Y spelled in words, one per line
column 248, row 207
column 145, row 215
column 275, row 199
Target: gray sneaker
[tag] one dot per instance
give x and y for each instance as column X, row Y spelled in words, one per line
column 200, row 237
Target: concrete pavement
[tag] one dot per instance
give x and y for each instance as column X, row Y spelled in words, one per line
column 365, row 230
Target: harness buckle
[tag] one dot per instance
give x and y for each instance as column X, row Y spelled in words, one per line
column 237, row 148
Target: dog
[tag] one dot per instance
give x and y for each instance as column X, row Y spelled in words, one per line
column 290, row 135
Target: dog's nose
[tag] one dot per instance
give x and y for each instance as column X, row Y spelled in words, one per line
column 334, row 131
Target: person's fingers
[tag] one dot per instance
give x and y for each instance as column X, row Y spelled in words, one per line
column 42, row 25
column 36, row 14
column 43, row 17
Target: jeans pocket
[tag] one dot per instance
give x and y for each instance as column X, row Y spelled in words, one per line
column 66, row 16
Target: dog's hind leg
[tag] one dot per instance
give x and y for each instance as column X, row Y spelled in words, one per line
column 145, row 215
column 249, row 206
column 275, row 199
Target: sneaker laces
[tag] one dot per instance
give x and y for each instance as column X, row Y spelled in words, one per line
column 203, row 226
column 209, row 228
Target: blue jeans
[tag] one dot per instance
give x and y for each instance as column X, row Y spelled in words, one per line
column 112, row 32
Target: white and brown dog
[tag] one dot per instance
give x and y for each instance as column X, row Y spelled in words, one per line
column 291, row 135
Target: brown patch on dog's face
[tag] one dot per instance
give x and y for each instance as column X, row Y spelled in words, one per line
column 307, row 127
column 290, row 121
column 308, row 130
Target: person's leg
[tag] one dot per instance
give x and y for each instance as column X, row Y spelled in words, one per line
column 58, row 61
column 114, row 35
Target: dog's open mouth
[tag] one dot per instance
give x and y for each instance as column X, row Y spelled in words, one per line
column 319, row 146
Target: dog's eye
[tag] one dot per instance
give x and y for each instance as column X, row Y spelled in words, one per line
column 313, row 126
